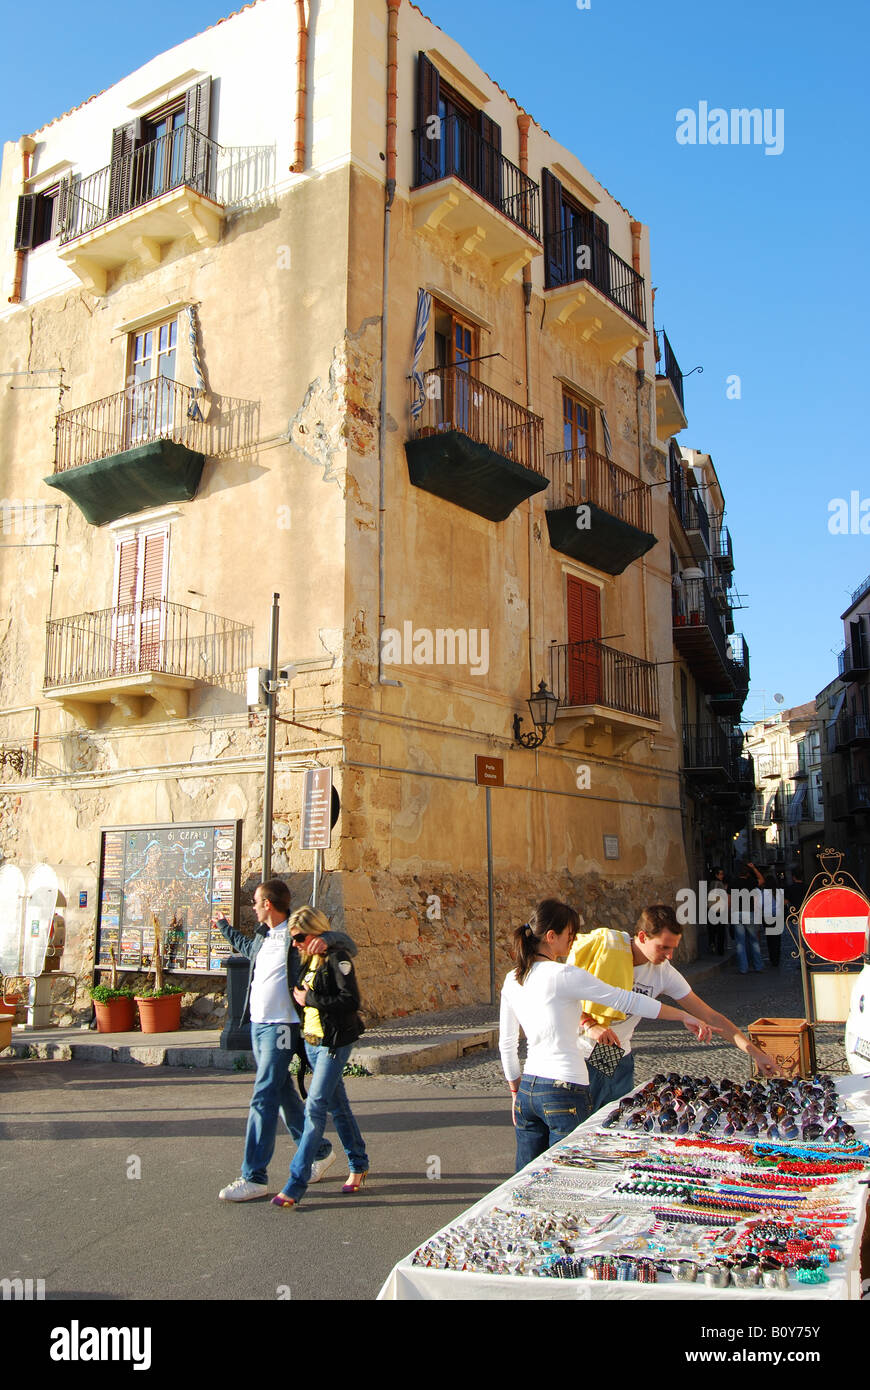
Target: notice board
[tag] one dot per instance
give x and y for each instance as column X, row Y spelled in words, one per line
column 184, row 874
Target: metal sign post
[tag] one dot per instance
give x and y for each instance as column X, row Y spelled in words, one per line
column 271, row 708
column 489, row 772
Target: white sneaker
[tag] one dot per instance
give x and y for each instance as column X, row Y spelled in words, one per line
column 242, row 1191
column 320, row 1165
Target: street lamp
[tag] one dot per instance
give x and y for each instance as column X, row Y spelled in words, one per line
column 542, row 706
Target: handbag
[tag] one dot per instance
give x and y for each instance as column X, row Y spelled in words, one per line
column 605, row 1057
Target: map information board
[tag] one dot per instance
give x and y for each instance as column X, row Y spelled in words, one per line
column 181, row 874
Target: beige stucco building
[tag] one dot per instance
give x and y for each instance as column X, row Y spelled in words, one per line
column 194, row 276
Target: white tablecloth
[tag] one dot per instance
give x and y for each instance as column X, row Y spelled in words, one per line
column 408, row 1281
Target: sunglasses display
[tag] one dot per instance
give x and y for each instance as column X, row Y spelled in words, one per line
column 646, row 1203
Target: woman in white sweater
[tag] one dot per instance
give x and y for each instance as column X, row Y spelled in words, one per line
column 543, row 996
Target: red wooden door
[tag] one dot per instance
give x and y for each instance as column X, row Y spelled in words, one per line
column 584, row 635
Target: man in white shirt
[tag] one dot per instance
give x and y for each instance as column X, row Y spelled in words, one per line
column 657, row 937
column 274, row 1035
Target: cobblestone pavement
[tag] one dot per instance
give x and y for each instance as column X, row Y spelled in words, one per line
column 657, row 1046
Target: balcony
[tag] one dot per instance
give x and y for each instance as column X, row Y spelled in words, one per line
column 730, row 703
column 465, row 186
column 603, row 692
column 670, row 406
column 474, row 447
column 721, row 549
column 853, row 661
column 593, row 289
column 144, row 447
column 707, row 754
column 154, row 650
column 852, row 731
column 132, row 209
column 614, row 528
column 855, row 800
column 768, row 768
column 699, row 637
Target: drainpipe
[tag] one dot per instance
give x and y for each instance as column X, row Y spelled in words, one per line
column 27, row 145
column 392, row 85
column 523, row 123
column 298, row 164
column 640, row 379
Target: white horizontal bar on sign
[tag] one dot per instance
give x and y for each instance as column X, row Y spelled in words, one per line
column 832, row 925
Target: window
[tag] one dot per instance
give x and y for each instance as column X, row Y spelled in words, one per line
column 41, row 216
column 578, row 421
column 457, row 352
column 140, row 589
column 576, row 240
column 150, row 380
column 464, row 141
column 584, row 636
column 166, row 149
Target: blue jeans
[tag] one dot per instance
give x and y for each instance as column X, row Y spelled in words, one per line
column 325, row 1092
column 274, row 1094
column 742, row 934
column 605, row 1090
column 546, row 1111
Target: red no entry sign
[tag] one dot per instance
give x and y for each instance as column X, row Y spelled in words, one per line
column 834, row 923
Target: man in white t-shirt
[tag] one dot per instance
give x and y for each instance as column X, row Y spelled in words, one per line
column 658, row 936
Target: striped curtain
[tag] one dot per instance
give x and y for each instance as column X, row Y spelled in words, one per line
column 424, row 309
column 605, row 428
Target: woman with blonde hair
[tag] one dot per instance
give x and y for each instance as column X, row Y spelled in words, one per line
column 328, row 996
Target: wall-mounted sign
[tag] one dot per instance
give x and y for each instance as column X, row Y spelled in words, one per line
column 611, row 847
column 489, row 772
column 181, row 874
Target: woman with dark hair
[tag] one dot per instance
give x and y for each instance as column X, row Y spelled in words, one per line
column 543, row 996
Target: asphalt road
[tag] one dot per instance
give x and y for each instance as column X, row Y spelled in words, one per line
column 72, row 1131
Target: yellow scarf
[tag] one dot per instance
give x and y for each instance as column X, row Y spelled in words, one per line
column 606, row 954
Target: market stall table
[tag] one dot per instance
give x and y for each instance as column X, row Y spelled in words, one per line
column 512, row 1206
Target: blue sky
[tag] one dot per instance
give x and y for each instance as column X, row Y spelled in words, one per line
column 757, row 258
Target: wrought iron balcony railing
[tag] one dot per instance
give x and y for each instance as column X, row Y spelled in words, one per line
column 707, row 746
column 668, row 366
column 154, row 636
column 694, row 606
column 853, row 660
column 184, row 158
column 721, row 548
column 454, row 149
column 590, row 673
column 581, row 475
column 455, row 400
column 573, row 255
column 150, row 410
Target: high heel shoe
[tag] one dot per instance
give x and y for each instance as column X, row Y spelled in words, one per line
column 355, row 1181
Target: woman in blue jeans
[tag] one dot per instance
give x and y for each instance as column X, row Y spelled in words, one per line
column 543, row 996
column 328, row 995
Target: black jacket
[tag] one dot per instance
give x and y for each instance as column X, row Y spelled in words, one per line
column 335, row 996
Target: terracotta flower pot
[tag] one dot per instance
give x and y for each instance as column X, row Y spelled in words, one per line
column 115, row 1016
column 161, row 1015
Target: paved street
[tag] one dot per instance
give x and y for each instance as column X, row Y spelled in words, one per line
column 72, row 1131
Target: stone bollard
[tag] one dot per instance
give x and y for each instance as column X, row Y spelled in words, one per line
column 236, row 1035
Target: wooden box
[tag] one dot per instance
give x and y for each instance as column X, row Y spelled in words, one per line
column 789, row 1041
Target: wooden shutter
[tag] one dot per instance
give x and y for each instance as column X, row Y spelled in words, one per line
column 125, row 590
column 584, row 626
column 490, row 164
column 197, row 152
column 428, row 101
column 153, row 566
column 25, row 222
column 124, row 141
column 152, row 623
column 554, row 242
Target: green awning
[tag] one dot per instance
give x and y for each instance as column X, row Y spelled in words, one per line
column 150, row 475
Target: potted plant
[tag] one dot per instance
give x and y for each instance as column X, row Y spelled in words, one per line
column 113, row 1004
column 159, row 1006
